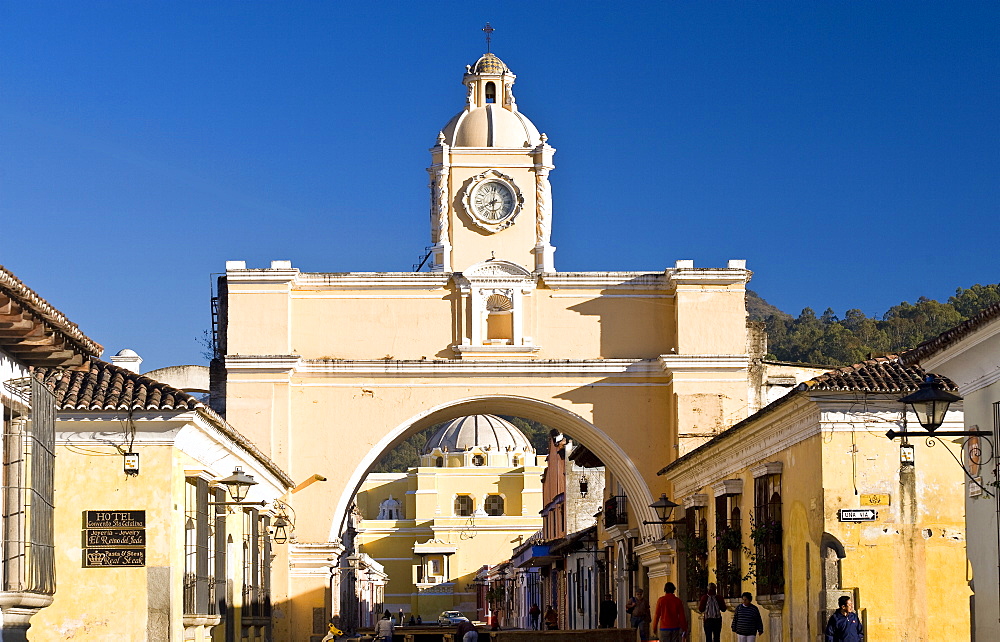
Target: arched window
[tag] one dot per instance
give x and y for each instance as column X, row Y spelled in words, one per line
column 499, row 319
column 491, row 92
column 439, row 462
column 494, row 505
column 463, row 506
column 516, row 461
column 478, row 460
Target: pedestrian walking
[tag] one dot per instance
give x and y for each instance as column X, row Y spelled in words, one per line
column 607, row 613
column 746, row 620
column 384, row 628
column 712, row 606
column 551, row 619
column 466, row 632
column 638, row 609
column 534, row 612
column 844, row 625
column 669, row 620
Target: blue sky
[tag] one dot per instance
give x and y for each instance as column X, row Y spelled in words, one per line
column 847, row 150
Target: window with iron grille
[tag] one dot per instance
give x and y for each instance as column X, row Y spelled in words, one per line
column 28, row 481
column 463, row 505
column 728, row 545
column 694, row 547
column 494, row 505
column 615, row 511
column 766, row 534
column 256, row 564
column 199, row 549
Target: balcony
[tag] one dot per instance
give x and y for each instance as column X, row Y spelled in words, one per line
column 616, row 511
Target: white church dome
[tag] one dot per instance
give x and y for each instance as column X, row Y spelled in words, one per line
column 478, row 430
column 490, row 126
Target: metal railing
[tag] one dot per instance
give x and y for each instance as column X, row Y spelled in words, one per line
column 615, row 511
column 28, row 490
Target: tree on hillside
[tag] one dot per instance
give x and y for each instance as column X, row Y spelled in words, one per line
column 828, row 339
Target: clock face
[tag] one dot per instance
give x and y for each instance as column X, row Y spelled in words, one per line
column 493, row 201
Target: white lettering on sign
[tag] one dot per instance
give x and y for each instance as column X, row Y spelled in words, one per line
column 857, row 514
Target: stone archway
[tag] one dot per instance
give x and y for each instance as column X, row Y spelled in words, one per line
column 553, row 416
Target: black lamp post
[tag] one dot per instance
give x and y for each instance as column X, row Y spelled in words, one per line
column 239, row 484
column 664, row 509
column 930, row 402
column 280, row 535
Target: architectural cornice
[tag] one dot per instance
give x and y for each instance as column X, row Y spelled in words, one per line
column 678, row 363
column 728, row 487
column 604, row 280
column 264, row 362
column 706, row 276
column 586, row 367
column 372, row 280
column 767, row 468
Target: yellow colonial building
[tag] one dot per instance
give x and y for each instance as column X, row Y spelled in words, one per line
column 325, row 372
column 477, row 490
column 808, row 500
column 148, row 543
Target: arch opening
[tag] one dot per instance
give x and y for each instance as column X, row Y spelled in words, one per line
column 582, row 431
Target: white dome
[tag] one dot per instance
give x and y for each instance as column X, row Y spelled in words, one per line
column 490, row 126
column 478, row 430
column 126, row 353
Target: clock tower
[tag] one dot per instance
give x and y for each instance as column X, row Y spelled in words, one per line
column 489, row 180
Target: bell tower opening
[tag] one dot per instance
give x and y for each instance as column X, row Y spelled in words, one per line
column 491, row 92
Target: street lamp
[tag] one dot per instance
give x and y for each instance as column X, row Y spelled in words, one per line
column 664, row 509
column 930, row 402
column 280, row 535
column 239, row 484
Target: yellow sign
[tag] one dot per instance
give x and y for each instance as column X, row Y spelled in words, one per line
column 875, row 499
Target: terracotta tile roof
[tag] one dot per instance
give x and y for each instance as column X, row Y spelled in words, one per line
column 882, row 375
column 952, row 336
column 36, row 332
column 106, row 386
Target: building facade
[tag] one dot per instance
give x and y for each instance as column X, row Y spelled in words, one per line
column 969, row 355
column 33, row 334
column 808, row 500
column 148, row 544
column 477, row 489
column 327, row 371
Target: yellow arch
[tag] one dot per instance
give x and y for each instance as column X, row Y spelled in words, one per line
column 584, row 432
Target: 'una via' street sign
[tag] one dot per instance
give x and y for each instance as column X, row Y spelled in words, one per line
column 857, row 514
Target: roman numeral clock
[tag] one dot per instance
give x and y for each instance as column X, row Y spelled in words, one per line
column 492, row 201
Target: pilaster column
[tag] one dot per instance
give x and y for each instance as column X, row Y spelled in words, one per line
column 543, row 222
column 440, row 230
column 774, row 604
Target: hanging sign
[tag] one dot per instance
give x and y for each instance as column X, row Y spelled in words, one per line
column 857, row 514
column 113, row 557
column 114, row 538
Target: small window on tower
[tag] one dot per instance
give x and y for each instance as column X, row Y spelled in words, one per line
column 439, row 462
column 494, row 505
column 463, row 506
column 478, row 460
column 491, row 92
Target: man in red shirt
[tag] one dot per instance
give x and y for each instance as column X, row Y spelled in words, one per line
column 669, row 619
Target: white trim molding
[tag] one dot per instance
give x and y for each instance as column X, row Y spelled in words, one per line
column 728, row 487
column 698, row 500
column 766, row 468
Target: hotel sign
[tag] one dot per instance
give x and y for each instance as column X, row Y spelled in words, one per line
column 114, row 538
